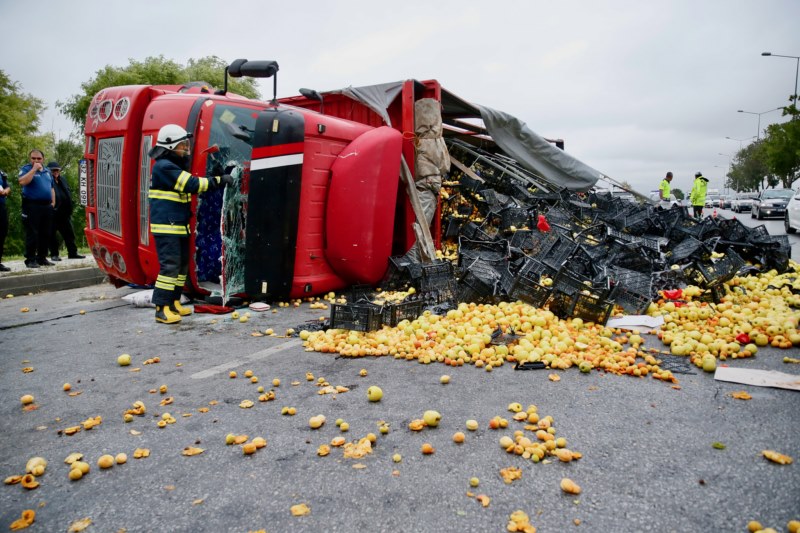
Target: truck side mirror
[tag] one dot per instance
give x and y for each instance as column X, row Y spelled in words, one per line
column 253, row 69
column 311, row 94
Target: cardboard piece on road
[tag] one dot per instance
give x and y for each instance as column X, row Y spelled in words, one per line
column 759, row 378
column 636, row 321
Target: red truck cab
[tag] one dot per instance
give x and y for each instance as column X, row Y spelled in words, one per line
column 317, row 205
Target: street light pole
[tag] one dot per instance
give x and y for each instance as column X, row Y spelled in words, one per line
column 758, row 131
column 796, row 73
column 740, row 141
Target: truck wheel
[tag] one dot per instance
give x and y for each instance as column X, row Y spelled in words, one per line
column 789, row 229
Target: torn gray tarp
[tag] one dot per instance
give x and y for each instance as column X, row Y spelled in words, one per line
column 536, row 154
column 376, row 97
column 509, row 133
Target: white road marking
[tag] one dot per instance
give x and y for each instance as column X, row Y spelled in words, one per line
column 262, row 354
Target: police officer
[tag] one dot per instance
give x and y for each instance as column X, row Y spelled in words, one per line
column 62, row 216
column 38, row 201
column 698, row 195
column 5, row 190
column 664, row 191
column 171, row 187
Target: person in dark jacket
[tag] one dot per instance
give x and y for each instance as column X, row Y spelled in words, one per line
column 5, row 190
column 171, row 187
column 38, row 201
column 62, row 216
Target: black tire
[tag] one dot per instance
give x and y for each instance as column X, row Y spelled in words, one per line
column 786, row 225
column 753, row 213
column 759, row 216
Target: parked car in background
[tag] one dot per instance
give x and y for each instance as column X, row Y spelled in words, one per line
column 771, row 203
column 791, row 220
column 725, row 202
column 655, row 197
column 743, row 201
column 712, row 201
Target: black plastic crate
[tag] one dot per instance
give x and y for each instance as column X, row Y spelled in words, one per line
column 356, row 317
column 475, row 289
column 453, row 226
column 438, row 283
column 435, row 275
column 634, row 281
column 522, row 239
column 733, row 230
column 401, row 271
column 778, row 244
column 528, row 289
column 631, row 290
column 357, row 293
column 489, row 250
column 394, row 313
column 592, row 308
column 514, row 216
column 506, row 283
column 685, row 249
column 638, row 219
column 541, row 242
column 570, row 281
column 758, row 234
column 717, row 272
column 559, row 252
column 561, row 303
column 536, row 267
column 713, row 294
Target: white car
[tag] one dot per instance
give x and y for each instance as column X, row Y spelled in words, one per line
column 791, row 221
column 743, row 201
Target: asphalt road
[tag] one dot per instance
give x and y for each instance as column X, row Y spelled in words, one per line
column 648, row 462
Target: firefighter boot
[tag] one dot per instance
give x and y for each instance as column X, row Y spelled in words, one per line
column 176, row 307
column 165, row 315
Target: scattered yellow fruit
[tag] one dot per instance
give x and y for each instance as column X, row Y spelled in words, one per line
column 124, row 360
column 105, row 461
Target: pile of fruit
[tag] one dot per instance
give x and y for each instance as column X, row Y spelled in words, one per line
column 754, row 311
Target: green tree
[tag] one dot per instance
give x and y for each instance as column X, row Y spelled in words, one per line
column 68, row 152
column 19, row 121
column 679, row 195
column 154, row 71
column 782, row 148
column 749, row 169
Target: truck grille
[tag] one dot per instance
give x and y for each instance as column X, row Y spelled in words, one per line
column 109, row 170
column 144, row 189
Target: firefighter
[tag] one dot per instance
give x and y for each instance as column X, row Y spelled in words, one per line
column 698, row 195
column 171, row 187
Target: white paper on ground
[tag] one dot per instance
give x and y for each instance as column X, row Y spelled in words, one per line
column 145, row 298
column 636, row 321
column 759, row 378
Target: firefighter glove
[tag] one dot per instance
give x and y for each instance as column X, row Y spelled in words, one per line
column 226, row 179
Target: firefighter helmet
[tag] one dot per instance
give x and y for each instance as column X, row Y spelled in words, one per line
column 172, row 135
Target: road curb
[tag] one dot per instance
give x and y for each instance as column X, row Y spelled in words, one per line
column 51, row 281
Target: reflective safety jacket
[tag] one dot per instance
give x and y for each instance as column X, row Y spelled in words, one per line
column 170, row 197
column 698, row 194
column 665, row 190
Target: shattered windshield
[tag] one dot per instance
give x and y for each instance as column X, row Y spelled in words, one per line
column 220, row 213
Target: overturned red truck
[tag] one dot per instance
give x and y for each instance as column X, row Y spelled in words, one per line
column 318, row 204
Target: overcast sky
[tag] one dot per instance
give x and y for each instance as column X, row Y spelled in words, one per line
column 636, row 88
